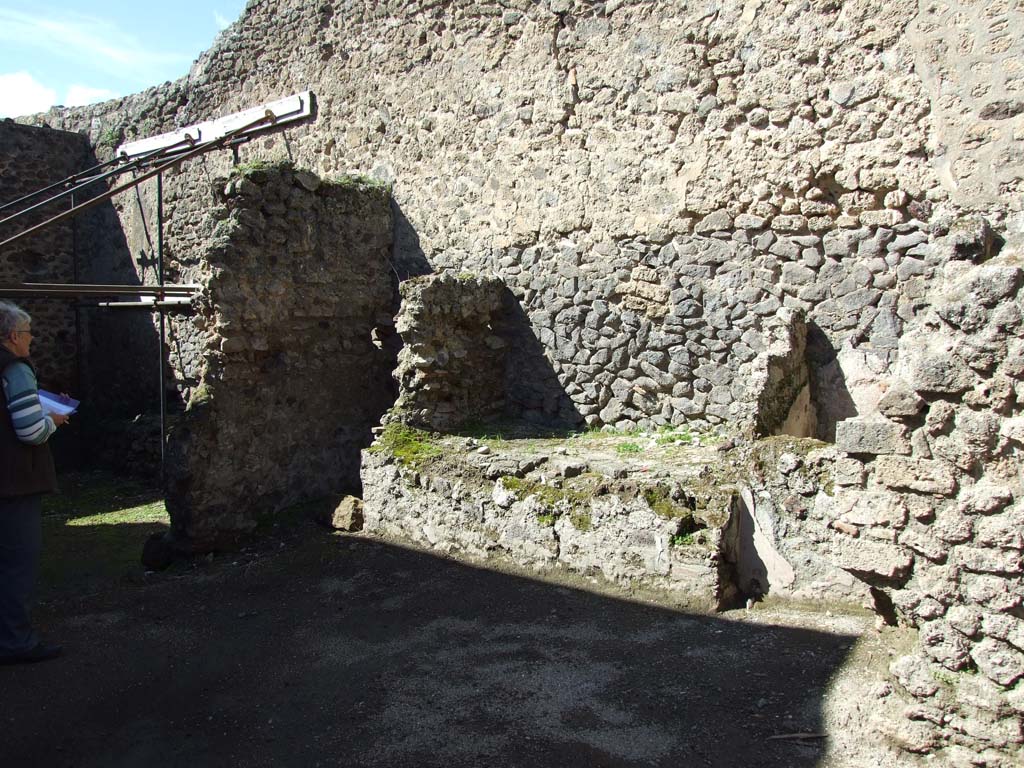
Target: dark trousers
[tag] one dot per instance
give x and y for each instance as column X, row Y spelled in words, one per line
column 20, row 542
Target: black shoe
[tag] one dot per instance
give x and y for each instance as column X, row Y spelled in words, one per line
column 41, row 652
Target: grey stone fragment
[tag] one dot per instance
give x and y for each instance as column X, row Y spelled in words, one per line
column 750, row 221
column 945, row 645
column 308, row 180
column 764, row 241
column 998, row 661
column 937, row 369
column 848, row 471
column 990, row 592
column 971, row 237
column 348, row 515
column 1005, row 531
column 911, row 474
column 797, row 274
column 989, row 560
column 714, row 222
column 871, row 436
column 789, row 223
column 567, row 467
column 900, row 402
column 903, row 242
column 991, row 284
column 914, row 675
column 1004, row 627
column 1002, row 109
column 871, row 508
column 910, row 267
column 924, row 544
column 841, row 92
column 873, row 560
column 965, row 619
column 953, row 527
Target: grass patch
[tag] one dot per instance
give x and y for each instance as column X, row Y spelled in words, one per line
column 556, row 501
column 659, row 499
column 411, row 447
column 628, row 448
column 681, row 540
column 362, row 183
column 548, row 495
column 669, row 436
column 580, row 520
column 94, row 529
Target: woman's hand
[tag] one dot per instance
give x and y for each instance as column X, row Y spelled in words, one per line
column 60, row 419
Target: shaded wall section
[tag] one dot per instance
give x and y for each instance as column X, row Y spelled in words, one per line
column 31, row 159
column 296, row 279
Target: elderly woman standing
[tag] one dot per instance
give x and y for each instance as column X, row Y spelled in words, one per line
column 26, row 472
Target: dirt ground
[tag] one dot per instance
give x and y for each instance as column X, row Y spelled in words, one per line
column 321, row 649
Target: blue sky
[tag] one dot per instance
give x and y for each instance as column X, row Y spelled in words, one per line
column 80, row 52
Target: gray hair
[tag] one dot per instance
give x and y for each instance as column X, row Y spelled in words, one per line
column 11, row 315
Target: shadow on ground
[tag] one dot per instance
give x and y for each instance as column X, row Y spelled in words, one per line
column 331, row 650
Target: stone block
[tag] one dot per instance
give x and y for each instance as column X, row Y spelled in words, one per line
column 990, row 592
column 966, row 619
column 796, row 274
column 886, row 217
column 1005, row 627
column 1005, row 531
column 989, row 560
column 925, row 545
column 1013, row 429
column 998, row 661
column 945, row 645
column 789, row 223
column 714, row 222
column 749, row 221
column 920, row 475
column 914, row 674
column 899, row 402
column 934, row 367
column 871, row 436
column 848, row 471
column 348, row 515
column 873, row 560
column 871, row 508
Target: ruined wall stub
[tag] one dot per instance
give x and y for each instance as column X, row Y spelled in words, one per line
column 295, row 280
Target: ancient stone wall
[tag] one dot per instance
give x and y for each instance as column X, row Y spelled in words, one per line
column 930, row 495
column 452, row 365
column 654, row 182
column 288, row 380
column 640, row 165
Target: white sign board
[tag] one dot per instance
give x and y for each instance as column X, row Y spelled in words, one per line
column 286, row 110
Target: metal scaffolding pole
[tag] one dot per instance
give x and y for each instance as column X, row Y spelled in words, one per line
column 161, row 348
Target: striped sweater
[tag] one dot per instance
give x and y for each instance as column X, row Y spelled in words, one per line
column 31, row 425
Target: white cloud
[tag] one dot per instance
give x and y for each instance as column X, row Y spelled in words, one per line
column 21, row 94
column 79, row 38
column 222, row 21
column 84, row 94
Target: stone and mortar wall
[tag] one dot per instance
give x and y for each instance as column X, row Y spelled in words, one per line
column 633, row 166
column 31, row 159
column 288, row 378
column 452, row 365
column 644, row 164
column 928, row 501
